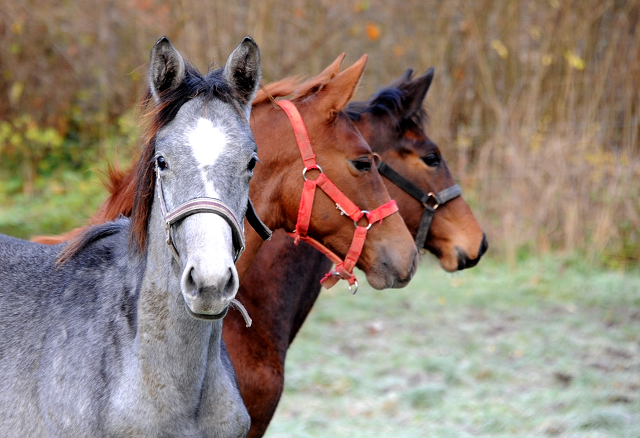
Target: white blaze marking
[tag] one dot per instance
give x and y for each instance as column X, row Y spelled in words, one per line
column 207, row 143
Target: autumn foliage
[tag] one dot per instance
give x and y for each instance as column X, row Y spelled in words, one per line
column 535, row 104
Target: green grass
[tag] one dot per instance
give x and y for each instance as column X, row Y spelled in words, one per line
column 66, row 201
column 552, row 349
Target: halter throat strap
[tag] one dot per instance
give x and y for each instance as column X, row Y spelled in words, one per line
column 430, row 200
column 344, row 268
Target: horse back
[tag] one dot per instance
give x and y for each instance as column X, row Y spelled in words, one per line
column 56, row 321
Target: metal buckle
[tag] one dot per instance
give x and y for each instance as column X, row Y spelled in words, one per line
column 433, row 196
column 353, row 288
column 364, row 214
column 304, row 172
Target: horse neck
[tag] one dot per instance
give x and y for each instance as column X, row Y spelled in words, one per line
column 171, row 344
column 273, row 178
column 278, row 291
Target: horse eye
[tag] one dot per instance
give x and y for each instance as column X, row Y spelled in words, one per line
column 431, row 160
column 362, row 165
column 252, row 164
column 162, row 163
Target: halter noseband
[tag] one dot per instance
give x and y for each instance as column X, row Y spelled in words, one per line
column 431, row 201
column 344, row 268
column 199, row 205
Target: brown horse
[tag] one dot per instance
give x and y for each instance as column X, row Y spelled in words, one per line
column 283, row 282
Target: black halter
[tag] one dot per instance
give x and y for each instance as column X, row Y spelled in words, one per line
column 430, row 200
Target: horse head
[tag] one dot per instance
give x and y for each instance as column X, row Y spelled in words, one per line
column 392, row 121
column 388, row 256
column 200, row 160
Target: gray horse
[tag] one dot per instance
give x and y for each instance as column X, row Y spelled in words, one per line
column 121, row 335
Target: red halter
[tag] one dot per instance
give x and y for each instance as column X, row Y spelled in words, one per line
column 343, row 269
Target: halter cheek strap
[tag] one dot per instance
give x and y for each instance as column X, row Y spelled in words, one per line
column 344, row 268
column 431, row 201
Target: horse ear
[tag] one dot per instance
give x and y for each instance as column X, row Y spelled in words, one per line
column 339, row 91
column 332, row 70
column 166, row 68
column 404, row 77
column 414, row 92
column 242, row 71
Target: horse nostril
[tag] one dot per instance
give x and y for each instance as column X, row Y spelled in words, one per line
column 462, row 260
column 189, row 284
column 231, row 286
column 484, row 245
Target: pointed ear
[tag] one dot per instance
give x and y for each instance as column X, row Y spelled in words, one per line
column 331, row 71
column 414, row 92
column 166, row 68
column 339, row 91
column 242, row 71
column 404, row 77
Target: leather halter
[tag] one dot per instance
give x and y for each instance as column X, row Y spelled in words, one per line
column 431, row 201
column 344, row 268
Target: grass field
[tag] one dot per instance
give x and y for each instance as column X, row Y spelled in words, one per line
column 551, row 349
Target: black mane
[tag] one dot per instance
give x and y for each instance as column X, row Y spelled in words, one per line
column 212, row 86
column 90, row 235
column 387, row 101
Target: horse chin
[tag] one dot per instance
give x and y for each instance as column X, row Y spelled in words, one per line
column 205, row 316
column 387, row 276
column 205, row 306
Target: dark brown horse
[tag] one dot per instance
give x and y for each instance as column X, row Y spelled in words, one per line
column 283, row 283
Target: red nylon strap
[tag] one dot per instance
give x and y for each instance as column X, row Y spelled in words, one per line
column 344, row 204
column 306, row 203
column 302, row 136
column 343, row 269
column 383, row 211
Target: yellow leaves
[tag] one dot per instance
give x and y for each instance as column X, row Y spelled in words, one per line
column 17, row 27
column 15, row 92
column 600, row 158
column 23, row 131
column 574, row 60
column 362, row 6
column 535, row 32
column 500, row 48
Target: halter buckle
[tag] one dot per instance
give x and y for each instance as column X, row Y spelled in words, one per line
column 434, row 197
